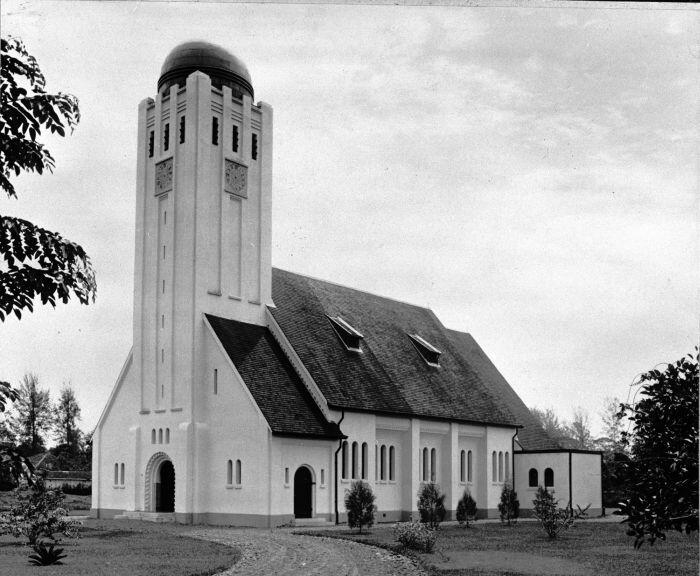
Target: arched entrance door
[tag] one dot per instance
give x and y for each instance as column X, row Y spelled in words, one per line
column 303, row 486
column 165, row 487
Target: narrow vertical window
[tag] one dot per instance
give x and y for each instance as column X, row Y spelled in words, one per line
column 323, row 476
column 234, row 139
column 500, row 466
column 376, row 462
column 548, row 478
column 182, row 130
column 215, row 131
column 462, row 466
column 364, row 461
column 162, row 355
column 151, row 143
column 382, row 463
column 354, row 460
column 433, row 465
column 160, row 435
column 239, row 475
column 163, row 288
column 162, row 320
column 216, row 381
column 344, row 458
column 426, row 465
column 166, row 137
column 532, row 478
column 392, row 463
column 153, row 436
column 165, row 216
column 121, row 474
column 229, row 472
column 162, row 390
column 494, row 467
column 254, row 147
column 507, row 474
column 286, row 475
column 116, row 474
column 163, row 251
column 167, row 435
column 469, row 466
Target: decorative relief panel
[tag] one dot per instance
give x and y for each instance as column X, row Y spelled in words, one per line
column 236, row 179
column 164, row 176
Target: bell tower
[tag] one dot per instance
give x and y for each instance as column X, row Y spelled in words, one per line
column 203, row 216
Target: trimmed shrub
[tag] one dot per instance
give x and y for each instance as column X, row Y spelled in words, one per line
column 431, row 505
column 509, row 506
column 359, row 502
column 552, row 518
column 466, row 509
column 415, row 536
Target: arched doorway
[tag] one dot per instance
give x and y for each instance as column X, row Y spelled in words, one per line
column 303, row 493
column 165, row 487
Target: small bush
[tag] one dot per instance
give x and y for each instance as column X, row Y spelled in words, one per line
column 509, row 506
column 46, row 555
column 431, row 505
column 466, row 509
column 79, row 489
column 359, row 502
column 552, row 518
column 415, row 536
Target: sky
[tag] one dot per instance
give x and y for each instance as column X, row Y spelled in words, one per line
column 529, row 173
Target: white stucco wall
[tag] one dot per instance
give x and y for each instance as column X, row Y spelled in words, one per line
column 557, row 461
column 587, row 482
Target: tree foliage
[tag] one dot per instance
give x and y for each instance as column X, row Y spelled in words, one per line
column 466, row 509
column 552, row 518
column 32, row 415
column 664, row 447
column 66, row 414
column 37, row 262
column 431, row 505
column 359, row 502
column 13, row 464
column 509, row 506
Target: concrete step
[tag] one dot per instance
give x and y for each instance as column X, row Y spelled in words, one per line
column 147, row 516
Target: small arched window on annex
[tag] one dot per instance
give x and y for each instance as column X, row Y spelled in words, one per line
column 239, row 473
column 500, row 466
column 494, row 466
column 344, row 461
column 229, row 472
column 392, row 463
column 153, row 436
column 167, row 435
column 433, row 465
column 160, row 435
column 470, row 474
column 354, row 460
column 507, row 463
column 533, row 478
column 548, row 478
column 116, row 474
column 462, row 466
column 426, row 465
column 382, row 462
column 364, row 456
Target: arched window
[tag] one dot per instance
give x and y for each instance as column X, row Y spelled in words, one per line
column 121, row 475
column 167, row 435
column 548, row 478
column 462, row 465
column 239, row 477
column 426, row 465
column 494, row 466
column 323, row 476
column 364, row 461
column 507, row 467
column 160, row 435
column 533, row 478
column 354, row 460
column 229, row 472
column 433, row 465
column 382, row 463
column 116, row 473
column 376, row 462
column 344, row 460
column 153, row 436
column 392, row 463
column 500, row 466
column 469, row 466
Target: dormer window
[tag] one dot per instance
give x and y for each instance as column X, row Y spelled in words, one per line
column 429, row 353
column 348, row 335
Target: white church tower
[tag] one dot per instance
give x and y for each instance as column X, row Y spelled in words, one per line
column 203, row 216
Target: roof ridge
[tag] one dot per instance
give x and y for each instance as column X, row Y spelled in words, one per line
column 353, row 289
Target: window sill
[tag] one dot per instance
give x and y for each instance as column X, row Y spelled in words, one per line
column 345, row 481
column 234, row 486
column 287, row 485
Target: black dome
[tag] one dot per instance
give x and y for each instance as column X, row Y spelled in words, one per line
column 219, row 64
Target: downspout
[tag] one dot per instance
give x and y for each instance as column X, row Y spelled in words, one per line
column 512, row 459
column 602, row 502
column 335, row 475
column 571, row 496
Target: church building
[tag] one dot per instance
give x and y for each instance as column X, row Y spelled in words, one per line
column 255, row 396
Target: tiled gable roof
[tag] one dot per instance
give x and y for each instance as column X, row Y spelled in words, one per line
column 532, row 436
column 275, row 386
column 389, row 375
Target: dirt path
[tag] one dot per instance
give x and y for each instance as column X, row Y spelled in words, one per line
column 279, row 552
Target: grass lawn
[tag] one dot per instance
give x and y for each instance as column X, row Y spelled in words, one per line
column 124, row 548
column 587, row 549
column 77, row 505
